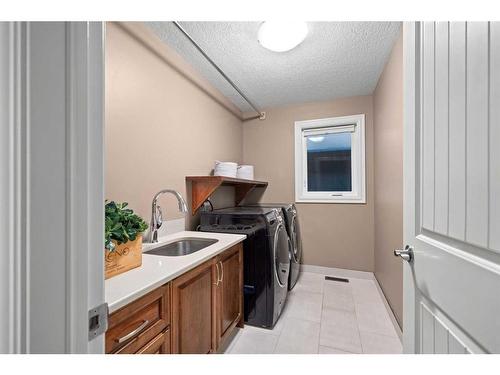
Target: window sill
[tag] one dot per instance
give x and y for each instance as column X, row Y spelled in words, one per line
column 334, row 201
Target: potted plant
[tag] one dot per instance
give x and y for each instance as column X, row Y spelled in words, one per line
column 122, row 238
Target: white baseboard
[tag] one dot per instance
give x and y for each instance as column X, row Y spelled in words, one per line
column 341, row 272
column 389, row 310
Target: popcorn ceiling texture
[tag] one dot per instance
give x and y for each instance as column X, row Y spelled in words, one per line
column 337, row 59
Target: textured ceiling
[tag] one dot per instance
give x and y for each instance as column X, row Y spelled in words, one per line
column 337, row 59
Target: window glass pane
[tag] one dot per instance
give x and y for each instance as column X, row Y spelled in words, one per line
column 329, row 162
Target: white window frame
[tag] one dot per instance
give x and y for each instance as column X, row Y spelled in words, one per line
column 355, row 124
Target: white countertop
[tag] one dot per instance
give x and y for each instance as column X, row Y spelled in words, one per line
column 157, row 270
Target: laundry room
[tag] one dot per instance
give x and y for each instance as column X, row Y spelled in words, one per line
column 287, row 186
column 251, row 161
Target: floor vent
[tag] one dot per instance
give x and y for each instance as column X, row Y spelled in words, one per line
column 339, row 279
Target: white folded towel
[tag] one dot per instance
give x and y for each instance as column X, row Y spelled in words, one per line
column 226, row 169
column 245, row 172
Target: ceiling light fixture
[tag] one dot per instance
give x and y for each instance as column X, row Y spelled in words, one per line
column 316, row 139
column 281, row 36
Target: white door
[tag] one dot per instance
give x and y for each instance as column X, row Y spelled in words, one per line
column 452, row 187
column 51, row 186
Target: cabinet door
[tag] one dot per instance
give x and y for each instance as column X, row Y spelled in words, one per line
column 229, row 292
column 193, row 302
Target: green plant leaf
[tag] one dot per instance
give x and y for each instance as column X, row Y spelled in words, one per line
column 121, row 224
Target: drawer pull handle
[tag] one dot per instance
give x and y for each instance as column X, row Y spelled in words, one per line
column 133, row 333
column 218, row 274
column 222, row 272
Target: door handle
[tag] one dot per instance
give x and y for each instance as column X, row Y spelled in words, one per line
column 406, row 254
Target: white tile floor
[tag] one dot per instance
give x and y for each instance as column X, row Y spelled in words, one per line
column 325, row 317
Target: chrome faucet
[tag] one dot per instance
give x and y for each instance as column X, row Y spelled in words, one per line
column 156, row 214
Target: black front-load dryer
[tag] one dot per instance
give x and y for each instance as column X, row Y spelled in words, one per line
column 293, row 229
column 266, row 258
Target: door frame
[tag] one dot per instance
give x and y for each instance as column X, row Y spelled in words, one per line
column 411, row 56
column 79, row 71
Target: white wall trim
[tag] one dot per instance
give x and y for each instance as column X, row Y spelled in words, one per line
column 394, row 321
column 411, row 76
column 96, row 155
column 85, row 179
column 13, row 275
column 30, row 105
column 339, row 272
column 7, row 121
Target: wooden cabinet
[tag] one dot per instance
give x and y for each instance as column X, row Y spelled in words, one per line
column 229, row 292
column 193, row 305
column 135, row 326
column 207, row 303
column 159, row 345
column 195, row 313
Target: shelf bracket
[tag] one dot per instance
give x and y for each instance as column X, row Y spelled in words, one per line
column 241, row 192
column 202, row 187
column 201, row 190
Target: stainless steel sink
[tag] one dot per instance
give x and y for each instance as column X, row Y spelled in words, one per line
column 184, row 246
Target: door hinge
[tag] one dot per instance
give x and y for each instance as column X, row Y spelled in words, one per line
column 98, row 321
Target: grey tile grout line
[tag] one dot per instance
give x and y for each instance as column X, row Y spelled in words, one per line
column 280, row 333
column 321, row 321
column 306, row 320
column 332, row 347
column 375, row 333
column 276, row 343
column 278, row 336
column 380, row 298
column 355, row 315
column 395, row 335
column 357, row 322
column 321, row 314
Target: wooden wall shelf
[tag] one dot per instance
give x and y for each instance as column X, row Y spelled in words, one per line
column 202, row 187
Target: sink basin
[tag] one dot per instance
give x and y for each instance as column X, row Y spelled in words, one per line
column 181, row 247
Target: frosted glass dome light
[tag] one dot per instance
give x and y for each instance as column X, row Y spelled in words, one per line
column 316, row 139
column 281, row 36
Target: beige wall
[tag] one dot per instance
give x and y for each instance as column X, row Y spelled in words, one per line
column 388, row 141
column 160, row 124
column 334, row 235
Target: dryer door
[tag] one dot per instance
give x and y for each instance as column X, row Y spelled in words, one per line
column 281, row 255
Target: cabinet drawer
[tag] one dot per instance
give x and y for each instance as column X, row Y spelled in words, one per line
column 136, row 324
column 159, row 345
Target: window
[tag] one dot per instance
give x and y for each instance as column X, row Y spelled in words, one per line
column 330, row 160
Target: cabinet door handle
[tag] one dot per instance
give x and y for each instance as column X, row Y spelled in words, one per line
column 222, row 271
column 133, row 333
column 218, row 273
